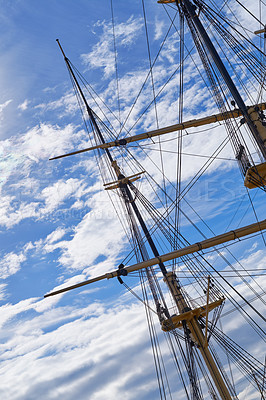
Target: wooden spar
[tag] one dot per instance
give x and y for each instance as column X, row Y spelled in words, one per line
column 168, row 129
column 207, row 312
column 260, row 31
column 205, row 244
column 97, row 278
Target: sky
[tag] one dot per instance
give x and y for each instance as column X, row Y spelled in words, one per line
column 57, row 224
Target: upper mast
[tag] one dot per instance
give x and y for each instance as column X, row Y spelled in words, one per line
column 255, row 175
column 190, row 11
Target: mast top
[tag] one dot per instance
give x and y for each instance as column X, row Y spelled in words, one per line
column 57, row 40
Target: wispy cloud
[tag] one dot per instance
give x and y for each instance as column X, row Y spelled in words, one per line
column 159, row 25
column 71, row 338
column 60, row 344
column 89, row 236
column 3, row 106
column 23, row 106
column 22, row 179
column 67, row 104
column 10, row 264
column 3, row 287
column 102, row 54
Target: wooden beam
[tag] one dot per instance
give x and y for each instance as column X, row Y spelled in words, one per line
column 168, row 129
column 260, row 31
column 175, row 321
column 193, row 248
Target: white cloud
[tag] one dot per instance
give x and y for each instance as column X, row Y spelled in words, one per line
column 23, row 106
column 102, row 54
column 92, row 238
column 8, row 311
column 73, row 345
column 67, row 104
column 55, row 235
column 2, row 291
column 12, row 212
column 21, row 152
column 22, row 179
column 56, row 193
column 45, row 203
column 10, row 264
column 45, row 141
column 3, row 106
column 159, row 25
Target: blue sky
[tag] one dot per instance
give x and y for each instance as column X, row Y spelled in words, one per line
column 57, row 226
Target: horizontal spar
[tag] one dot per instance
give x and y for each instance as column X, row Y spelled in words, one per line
column 168, row 129
column 66, row 289
column 205, row 244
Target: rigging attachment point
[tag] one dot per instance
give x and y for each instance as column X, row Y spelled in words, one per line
column 256, row 176
column 121, row 142
column 121, row 272
column 124, row 179
column 175, row 321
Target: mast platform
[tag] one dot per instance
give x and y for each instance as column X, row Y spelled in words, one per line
column 256, row 176
column 176, row 320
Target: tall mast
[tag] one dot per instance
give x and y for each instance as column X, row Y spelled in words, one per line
column 190, row 9
column 192, row 328
column 124, row 187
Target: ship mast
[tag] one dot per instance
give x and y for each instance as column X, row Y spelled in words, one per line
column 255, row 175
column 189, row 10
column 188, row 318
